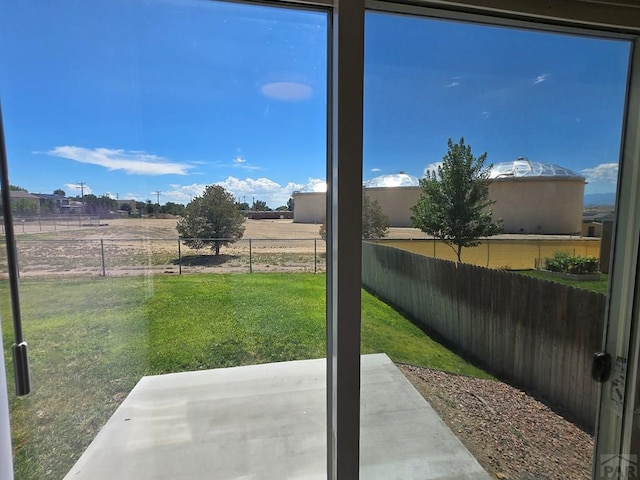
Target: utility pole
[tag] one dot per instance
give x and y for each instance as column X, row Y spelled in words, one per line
column 82, row 193
column 157, row 197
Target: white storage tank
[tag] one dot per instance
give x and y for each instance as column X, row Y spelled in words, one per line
column 309, row 204
column 537, row 198
column 396, row 194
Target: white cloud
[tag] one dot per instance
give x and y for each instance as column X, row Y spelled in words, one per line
column 452, row 84
column 486, row 114
column 75, row 188
column 261, row 189
column 291, row 91
column 603, row 173
column 239, row 159
column 315, row 185
column 245, row 190
column 433, row 167
column 376, row 169
column 129, row 161
column 180, row 193
column 543, row 77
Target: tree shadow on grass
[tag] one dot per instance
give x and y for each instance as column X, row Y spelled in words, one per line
column 205, row 260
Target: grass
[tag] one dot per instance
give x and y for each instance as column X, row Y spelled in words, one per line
column 91, row 340
column 599, row 286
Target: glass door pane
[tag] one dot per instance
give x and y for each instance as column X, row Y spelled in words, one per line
column 155, row 148
column 497, row 335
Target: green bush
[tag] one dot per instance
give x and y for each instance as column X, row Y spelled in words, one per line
column 566, row 263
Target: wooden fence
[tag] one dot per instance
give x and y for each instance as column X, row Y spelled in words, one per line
column 534, row 334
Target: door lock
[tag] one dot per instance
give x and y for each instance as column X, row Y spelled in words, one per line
column 601, row 367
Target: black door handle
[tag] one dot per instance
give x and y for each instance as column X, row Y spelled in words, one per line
column 601, row 367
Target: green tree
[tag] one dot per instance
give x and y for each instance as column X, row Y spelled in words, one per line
column 59, row 191
column 260, row 206
column 211, row 220
column 103, row 205
column 16, row 188
column 454, row 203
column 375, row 224
column 24, row 207
column 172, row 208
column 282, row 208
column 290, row 204
column 151, row 208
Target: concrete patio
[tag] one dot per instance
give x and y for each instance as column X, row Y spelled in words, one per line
column 268, row 422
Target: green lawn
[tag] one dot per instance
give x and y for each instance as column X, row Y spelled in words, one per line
column 599, row 286
column 91, row 340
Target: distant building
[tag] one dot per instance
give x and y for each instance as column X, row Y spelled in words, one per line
column 128, row 205
column 50, row 202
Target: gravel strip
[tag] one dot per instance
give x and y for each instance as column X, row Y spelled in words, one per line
column 510, row 433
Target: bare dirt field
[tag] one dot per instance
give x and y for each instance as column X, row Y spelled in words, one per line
column 150, row 246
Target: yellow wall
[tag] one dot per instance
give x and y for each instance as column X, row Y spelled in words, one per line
column 513, row 254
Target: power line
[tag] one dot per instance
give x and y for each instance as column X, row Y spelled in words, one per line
column 157, row 196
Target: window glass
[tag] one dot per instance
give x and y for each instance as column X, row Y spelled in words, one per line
column 503, row 328
column 129, row 125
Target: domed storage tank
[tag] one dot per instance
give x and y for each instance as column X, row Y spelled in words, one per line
column 538, row 198
column 309, row 204
column 396, row 194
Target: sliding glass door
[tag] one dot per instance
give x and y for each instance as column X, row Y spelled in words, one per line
column 154, row 150
column 492, row 163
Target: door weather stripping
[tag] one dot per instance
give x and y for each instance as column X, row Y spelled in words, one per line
column 19, row 348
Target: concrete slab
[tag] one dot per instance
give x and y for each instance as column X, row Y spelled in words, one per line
column 268, row 422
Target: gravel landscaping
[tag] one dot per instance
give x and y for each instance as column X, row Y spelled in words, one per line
column 510, row 433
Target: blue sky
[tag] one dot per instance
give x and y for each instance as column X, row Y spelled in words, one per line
column 132, row 97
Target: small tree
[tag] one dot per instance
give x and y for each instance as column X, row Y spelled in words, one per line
column 290, row 204
column 172, row 208
column 375, row 224
column 60, row 192
column 211, row 220
column 454, row 203
column 260, row 206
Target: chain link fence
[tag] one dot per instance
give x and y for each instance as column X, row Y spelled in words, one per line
column 51, row 223
column 135, row 256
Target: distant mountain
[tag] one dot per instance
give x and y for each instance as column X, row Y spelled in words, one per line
column 600, row 199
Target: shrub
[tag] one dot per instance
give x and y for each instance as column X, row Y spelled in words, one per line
column 566, row 263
